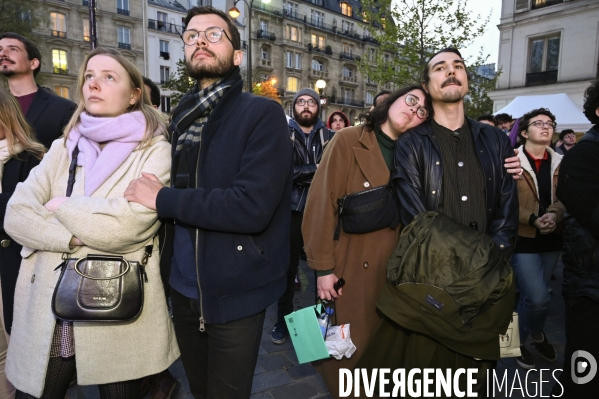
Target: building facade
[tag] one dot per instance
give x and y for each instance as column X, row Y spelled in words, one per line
column 120, row 24
column 297, row 43
column 547, row 47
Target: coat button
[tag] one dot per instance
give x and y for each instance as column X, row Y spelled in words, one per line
column 501, row 246
column 5, row 243
column 460, row 164
column 464, row 198
column 239, row 247
column 433, row 192
column 366, row 184
column 437, row 163
column 365, row 265
column 32, row 279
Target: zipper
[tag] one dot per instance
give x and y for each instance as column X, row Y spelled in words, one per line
column 314, row 153
column 202, row 321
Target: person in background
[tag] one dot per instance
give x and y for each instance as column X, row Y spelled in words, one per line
column 337, row 121
column 578, row 189
column 486, row 118
column 357, row 159
column 567, row 140
column 153, row 92
column 20, row 62
column 19, row 153
column 537, row 248
column 504, row 122
column 309, row 138
column 118, row 136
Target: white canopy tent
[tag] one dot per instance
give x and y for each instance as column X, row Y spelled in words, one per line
column 567, row 114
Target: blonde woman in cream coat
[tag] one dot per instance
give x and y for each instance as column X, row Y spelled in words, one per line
column 115, row 124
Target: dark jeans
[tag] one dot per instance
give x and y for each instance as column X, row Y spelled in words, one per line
column 219, row 362
column 582, row 333
column 285, row 303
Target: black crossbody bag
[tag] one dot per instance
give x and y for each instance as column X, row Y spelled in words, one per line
column 368, row 211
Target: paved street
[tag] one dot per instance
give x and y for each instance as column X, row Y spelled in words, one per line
column 278, row 374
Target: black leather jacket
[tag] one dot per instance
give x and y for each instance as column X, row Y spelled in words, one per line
column 307, row 153
column 581, row 248
column 418, row 176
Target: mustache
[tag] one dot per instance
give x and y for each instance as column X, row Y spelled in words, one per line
column 451, row 80
column 202, row 49
column 6, row 59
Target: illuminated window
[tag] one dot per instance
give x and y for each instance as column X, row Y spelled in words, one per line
column 59, row 24
column 292, row 33
column 346, row 9
column 292, row 84
column 59, row 61
column 86, row 36
column 62, row 91
column 318, row 41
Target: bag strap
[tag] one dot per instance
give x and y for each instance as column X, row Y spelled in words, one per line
column 72, row 169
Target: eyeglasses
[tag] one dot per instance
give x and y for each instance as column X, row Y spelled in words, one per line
column 412, row 100
column 540, row 124
column 570, row 135
column 301, row 102
column 213, row 35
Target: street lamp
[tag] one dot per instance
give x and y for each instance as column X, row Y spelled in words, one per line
column 234, row 13
column 320, row 85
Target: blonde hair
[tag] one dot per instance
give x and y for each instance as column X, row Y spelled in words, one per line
column 16, row 128
column 155, row 120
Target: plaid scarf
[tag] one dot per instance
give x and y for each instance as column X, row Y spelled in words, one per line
column 197, row 104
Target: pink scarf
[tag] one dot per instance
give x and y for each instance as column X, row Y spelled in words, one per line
column 122, row 135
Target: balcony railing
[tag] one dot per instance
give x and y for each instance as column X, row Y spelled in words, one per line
column 126, row 46
column 59, row 33
column 327, row 50
column 264, row 62
column 343, row 101
column 348, row 56
column 541, row 78
column 320, row 74
column 122, row 11
column 264, row 34
column 60, row 71
column 349, row 79
column 536, row 4
column 165, row 54
column 165, row 26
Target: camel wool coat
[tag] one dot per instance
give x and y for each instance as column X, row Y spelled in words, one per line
column 108, row 224
column 353, row 162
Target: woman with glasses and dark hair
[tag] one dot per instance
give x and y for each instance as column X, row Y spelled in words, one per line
column 538, row 247
column 357, row 159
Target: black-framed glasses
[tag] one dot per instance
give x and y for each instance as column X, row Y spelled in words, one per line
column 540, row 124
column 412, row 100
column 213, row 34
column 301, row 102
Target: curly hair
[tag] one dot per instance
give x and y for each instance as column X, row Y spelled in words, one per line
column 591, row 102
column 380, row 113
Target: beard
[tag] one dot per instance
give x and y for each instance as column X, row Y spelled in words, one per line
column 306, row 121
column 221, row 68
column 6, row 72
column 453, row 96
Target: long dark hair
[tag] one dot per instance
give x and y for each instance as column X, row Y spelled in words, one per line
column 380, row 113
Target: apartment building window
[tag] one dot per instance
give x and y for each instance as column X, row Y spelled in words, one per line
column 59, row 24
column 346, row 9
column 348, row 49
column 290, row 9
column 289, row 108
column 124, row 37
column 371, row 55
column 86, row 36
column 292, row 84
column 317, row 65
column 165, row 104
column 165, row 73
column 317, row 2
column 347, row 26
column 544, row 3
column 265, row 53
column 201, row 3
column 318, row 41
column 544, row 60
column 347, row 72
column 292, row 33
column 59, row 61
column 369, row 97
column 348, row 94
column 293, row 60
column 164, row 49
column 317, row 18
column 62, row 91
column 122, row 7
column 161, row 19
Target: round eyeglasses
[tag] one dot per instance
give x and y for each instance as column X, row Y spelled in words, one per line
column 540, row 124
column 412, row 100
column 213, row 35
column 301, row 102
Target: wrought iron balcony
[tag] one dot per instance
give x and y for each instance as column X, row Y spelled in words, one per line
column 122, row 11
column 349, row 56
column 344, row 101
column 126, row 46
column 60, row 71
column 264, row 34
column 541, row 78
column 165, row 26
column 165, row 54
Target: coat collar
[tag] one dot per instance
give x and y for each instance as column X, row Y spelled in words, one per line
column 370, row 159
column 38, row 105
